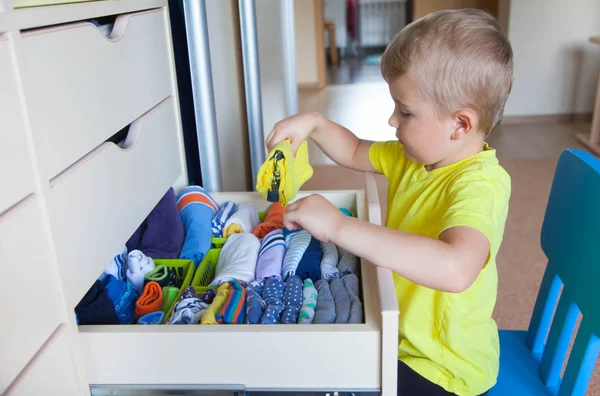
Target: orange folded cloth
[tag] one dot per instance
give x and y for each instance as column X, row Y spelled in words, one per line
column 273, row 221
column 150, row 301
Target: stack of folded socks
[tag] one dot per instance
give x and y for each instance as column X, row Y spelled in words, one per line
column 197, row 209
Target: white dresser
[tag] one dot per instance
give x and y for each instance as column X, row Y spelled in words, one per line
column 70, row 198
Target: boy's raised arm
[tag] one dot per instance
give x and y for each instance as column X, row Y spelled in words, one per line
column 337, row 142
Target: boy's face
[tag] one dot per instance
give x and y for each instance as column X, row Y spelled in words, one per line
column 426, row 137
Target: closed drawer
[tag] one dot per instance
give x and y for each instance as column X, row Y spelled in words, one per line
column 51, row 372
column 83, row 87
column 16, row 168
column 30, row 302
column 323, row 357
column 98, row 203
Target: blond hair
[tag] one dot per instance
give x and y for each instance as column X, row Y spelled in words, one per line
column 458, row 59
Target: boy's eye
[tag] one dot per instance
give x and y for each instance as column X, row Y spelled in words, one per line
column 404, row 114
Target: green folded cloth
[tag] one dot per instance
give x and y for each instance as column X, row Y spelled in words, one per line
column 169, row 295
column 165, row 276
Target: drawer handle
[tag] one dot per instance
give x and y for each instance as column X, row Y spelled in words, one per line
column 117, row 32
column 124, row 140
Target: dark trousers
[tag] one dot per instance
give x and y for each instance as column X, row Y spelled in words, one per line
column 411, row 383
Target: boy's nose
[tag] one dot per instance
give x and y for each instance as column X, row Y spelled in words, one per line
column 392, row 121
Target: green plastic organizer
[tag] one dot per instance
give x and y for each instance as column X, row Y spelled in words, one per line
column 204, row 274
column 188, row 273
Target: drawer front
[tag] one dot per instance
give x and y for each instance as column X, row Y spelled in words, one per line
column 51, row 372
column 340, row 357
column 31, row 300
column 16, row 168
column 98, row 203
column 84, row 87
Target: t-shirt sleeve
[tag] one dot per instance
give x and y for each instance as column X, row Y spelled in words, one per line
column 385, row 156
column 480, row 203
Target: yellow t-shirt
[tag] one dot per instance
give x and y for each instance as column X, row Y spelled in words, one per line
column 448, row 338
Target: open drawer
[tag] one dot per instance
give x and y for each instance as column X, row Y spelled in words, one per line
column 260, row 357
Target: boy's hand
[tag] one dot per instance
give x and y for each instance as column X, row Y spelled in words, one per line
column 316, row 215
column 295, row 128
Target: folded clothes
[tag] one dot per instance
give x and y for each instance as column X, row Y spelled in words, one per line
column 165, row 276
column 270, row 255
column 356, row 309
column 189, row 309
column 117, row 266
column 325, row 311
column 210, row 316
column 309, row 302
column 123, row 296
column 237, row 260
column 341, row 299
column 329, row 261
column 161, row 234
column 310, row 263
column 218, row 223
column 138, row 265
column 234, row 309
column 197, row 210
column 273, row 221
column 282, row 174
column 150, row 301
column 348, row 262
column 96, row 307
column 292, row 300
column 245, row 219
column 153, row 318
column 296, row 243
column 255, row 304
column 169, row 295
column 273, row 296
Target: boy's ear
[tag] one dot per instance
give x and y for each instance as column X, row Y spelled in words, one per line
column 466, row 122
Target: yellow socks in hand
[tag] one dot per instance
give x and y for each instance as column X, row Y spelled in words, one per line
column 281, row 175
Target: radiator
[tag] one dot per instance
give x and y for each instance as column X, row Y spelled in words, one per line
column 379, row 21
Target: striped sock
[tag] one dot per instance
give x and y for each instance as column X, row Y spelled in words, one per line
column 270, row 255
column 296, row 243
column 234, row 309
column 218, row 223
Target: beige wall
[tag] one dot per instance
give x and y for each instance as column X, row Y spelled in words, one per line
column 424, row 7
column 307, row 69
column 228, row 82
column 555, row 67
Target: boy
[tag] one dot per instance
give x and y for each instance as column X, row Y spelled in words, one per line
column 450, row 74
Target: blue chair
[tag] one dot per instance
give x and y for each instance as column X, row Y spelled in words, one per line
column 531, row 361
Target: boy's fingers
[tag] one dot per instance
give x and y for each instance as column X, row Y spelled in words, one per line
column 289, row 220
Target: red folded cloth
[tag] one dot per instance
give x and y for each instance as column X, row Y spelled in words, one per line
column 150, row 301
column 273, row 221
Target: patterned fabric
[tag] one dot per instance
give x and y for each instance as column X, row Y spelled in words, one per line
column 234, row 309
column 292, row 300
column 270, row 255
column 296, row 243
column 255, row 304
column 117, row 266
column 218, row 223
column 273, row 296
column 123, row 296
column 309, row 302
column 165, row 276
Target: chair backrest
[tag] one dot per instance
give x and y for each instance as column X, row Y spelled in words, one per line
column 571, row 241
